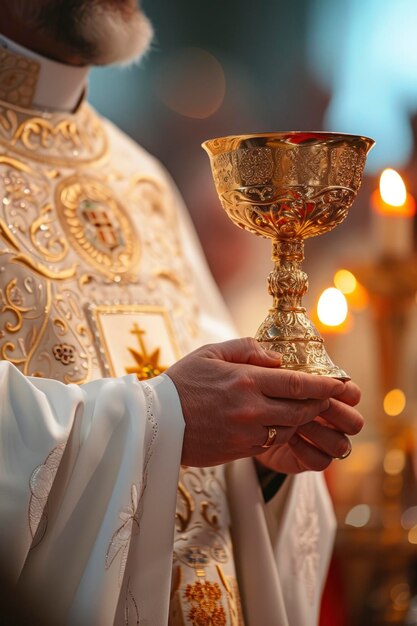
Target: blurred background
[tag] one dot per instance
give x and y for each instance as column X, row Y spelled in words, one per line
column 220, row 68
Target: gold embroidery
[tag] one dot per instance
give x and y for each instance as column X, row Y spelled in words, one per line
column 176, row 581
column 12, row 302
column 183, row 519
column 64, row 352
column 17, row 165
column 26, row 261
column 206, row 608
column 108, row 319
column 24, row 189
column 97, row 226
column 147, row 365
column 60, row 140
column 18, row 78
column 212, row 520
column 235, row 609
column 203, row 548
column 55, row 247
column 176, row 280
column 38, row 148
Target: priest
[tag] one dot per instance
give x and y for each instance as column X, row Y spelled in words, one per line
column 116, row 504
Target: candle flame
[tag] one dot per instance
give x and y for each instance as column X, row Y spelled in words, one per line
column 332, row 308
column 392, row 188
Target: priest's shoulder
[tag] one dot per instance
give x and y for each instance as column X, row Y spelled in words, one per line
column 129, row 152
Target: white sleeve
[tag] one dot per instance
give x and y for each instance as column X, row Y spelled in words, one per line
column 88, row 479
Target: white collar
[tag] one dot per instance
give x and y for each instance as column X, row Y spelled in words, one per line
column 59, row 86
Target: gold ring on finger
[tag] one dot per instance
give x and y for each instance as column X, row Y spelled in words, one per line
column 346, row 454
column 272, row 433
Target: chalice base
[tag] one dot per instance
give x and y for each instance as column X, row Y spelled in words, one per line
column 294, row 335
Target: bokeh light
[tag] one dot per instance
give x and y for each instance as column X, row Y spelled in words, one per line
column 412, row 535
column 392, row 187
column 191, row 82
column 394, row 402
column 409, row 518
column 332, row 308
column 394, row 461
column 345, row 281
column 358, row 516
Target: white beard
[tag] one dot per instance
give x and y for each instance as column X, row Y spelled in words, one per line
column 115, row 38
column 114, row 35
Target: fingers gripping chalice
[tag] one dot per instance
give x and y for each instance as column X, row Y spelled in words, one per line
column 288, row 187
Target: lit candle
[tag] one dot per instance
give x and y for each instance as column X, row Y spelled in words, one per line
column 393, row 210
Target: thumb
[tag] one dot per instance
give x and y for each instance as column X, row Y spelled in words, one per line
column 246, row 350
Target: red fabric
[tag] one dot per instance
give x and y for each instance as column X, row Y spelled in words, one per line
column 333, row 605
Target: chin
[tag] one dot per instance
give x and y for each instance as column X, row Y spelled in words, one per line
column 115, row 36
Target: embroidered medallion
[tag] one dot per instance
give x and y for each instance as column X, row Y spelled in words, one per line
column 97, row 226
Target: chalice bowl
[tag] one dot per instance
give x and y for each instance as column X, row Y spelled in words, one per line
column 287, row 187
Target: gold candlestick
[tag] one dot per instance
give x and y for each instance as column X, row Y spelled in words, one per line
column 288, row 187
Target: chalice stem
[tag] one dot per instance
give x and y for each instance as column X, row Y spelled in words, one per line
column 287, row 282
column 287, row 329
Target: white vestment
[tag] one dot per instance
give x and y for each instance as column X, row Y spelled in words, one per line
column 96, row 252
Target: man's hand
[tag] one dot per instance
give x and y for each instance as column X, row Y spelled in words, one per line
column 313, row 446
column 231, row 392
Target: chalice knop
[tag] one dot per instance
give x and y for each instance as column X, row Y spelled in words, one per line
column 289, row 186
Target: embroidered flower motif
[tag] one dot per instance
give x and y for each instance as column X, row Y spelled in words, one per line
column 120, row 540
column 40, row 484
column 206, row 598
column 64, row 352
column 306, row 534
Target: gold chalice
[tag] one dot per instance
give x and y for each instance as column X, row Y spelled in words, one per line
column 287, row 187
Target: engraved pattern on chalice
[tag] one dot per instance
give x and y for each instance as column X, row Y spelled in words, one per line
column 288, row 187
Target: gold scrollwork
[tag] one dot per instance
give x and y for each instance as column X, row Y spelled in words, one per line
column 183, row 518
column 55, row 139
column 26, row 261
column 27, row 348
column 211, row 519
column 293, row 213
column 233, row 597
column 56, row 247
column 16, row 164
column 13, row 305
column 6, row 354
column 61, row 326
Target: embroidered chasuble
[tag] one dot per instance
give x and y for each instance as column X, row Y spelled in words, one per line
column 102, row 287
